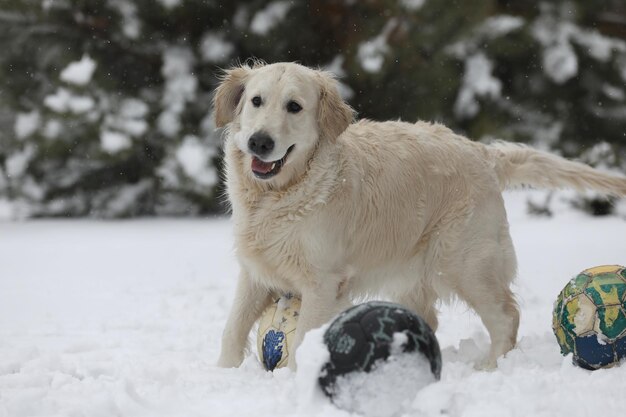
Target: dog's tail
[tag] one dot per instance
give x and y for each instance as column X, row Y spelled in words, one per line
column 521, row 165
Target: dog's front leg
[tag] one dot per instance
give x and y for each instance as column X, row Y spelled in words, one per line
column 250, row 301
column 319, row 305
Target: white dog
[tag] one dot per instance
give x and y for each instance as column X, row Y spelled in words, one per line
column 331, row 209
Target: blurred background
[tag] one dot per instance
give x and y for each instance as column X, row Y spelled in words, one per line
column 105, row 105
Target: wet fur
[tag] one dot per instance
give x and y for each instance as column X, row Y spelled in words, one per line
column 411, row 212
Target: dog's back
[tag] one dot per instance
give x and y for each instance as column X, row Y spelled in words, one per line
column 447, row 153
column 402, row 187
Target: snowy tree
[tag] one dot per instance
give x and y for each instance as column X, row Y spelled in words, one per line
column 105, row 109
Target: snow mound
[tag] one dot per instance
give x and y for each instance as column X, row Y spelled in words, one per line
column 560, row 62
column 63, row 101
column 385, row 391
column 26, row 124
column 79, row 72
column 113, row 142
column 311, row 356
column 215, row 49
column 371, row 54
column 265, row 20
column 477, row 82
column 412, row 5
column 195, row 160
column 180, row 88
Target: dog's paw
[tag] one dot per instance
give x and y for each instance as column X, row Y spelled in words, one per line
column 487, row 364
column 229, row 361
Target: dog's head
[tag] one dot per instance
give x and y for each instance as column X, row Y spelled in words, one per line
column 277, row 115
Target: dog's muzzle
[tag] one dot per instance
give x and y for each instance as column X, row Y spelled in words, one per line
column 266, row 170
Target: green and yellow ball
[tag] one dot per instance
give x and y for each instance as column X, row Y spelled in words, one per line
column 589, row 318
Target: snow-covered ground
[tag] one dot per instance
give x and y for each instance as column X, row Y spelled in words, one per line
column 124, row 319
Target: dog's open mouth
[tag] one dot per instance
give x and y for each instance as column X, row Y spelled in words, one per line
column 265, row 170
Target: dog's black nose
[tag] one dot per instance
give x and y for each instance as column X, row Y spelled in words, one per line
column 260, row 143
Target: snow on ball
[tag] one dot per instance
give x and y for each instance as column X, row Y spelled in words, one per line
column 589, row 318
column 381, row 354
column 277, row 327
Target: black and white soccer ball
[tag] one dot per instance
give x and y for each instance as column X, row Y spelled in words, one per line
column 368, row 337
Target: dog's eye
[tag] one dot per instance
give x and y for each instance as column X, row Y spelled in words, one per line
column 293, row 107
column 256, row 101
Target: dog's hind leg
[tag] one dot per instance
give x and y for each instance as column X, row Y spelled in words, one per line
column 422, row 301
column 250, row 301
column 479, row 264
column 485, row 287
column 500, row 315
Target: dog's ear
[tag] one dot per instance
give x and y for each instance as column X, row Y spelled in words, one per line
column 228, row 94
column 334, row 115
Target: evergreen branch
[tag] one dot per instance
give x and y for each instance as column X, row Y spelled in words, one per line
column 12, row 17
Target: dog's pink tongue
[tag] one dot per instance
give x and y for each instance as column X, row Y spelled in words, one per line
column 260, row 166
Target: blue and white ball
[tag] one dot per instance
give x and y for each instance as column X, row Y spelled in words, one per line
column 277, row 328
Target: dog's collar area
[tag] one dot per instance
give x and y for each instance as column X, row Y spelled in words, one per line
column 266, row 170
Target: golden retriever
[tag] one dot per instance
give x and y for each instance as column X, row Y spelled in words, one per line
column 332, row 209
